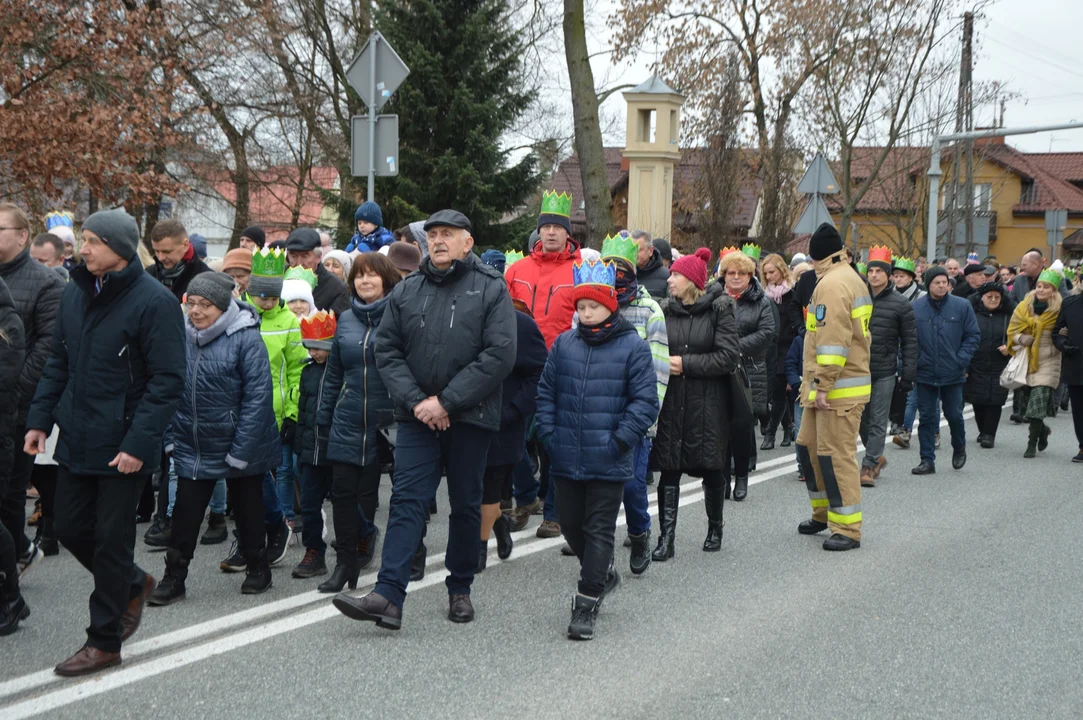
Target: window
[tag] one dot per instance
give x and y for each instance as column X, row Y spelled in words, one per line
column 983, row 196
column 646, row 126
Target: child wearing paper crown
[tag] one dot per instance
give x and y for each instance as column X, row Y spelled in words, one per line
column 297, row 287
column 282, row 336
column 597, row 399
column 310, row 442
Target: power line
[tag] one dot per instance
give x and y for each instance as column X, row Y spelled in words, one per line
column 1064, row 57
column 1038, row 58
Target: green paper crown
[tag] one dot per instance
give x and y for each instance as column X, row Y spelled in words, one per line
column 511, row 258
column 268, row 263
column 752, row 250
column 301, row 273
column 553, row 204
column 1052, row 277
column 902, row 263
column 621, row 248
column 862, row 268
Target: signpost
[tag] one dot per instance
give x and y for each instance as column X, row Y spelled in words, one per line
column 817, row 182
column 1055, row 222
column 376, row 73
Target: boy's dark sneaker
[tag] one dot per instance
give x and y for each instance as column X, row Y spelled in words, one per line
column 235, row 563
column 584, row 615
column 311, row 565
column 159, row 534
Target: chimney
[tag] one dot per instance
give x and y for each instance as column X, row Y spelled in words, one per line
column 988, row 140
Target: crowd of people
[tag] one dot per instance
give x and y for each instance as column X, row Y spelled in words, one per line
column 180, row 390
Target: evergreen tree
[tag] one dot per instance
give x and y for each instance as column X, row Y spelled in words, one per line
column 464, row 91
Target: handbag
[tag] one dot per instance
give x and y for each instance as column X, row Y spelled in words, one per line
column 897, row 412
column 1014, row 375
column 741, row 408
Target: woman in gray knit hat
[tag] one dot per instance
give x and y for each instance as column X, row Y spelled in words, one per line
column 225, row 427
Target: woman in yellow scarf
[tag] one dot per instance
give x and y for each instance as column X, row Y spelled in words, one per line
column 1031, row 331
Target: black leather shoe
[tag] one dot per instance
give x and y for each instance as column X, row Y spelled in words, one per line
column 840, row 543
column 504, row 542
column 958, row 459
column 768, row 442
column 811, row 527
column 460, row 610
column 370, row 608
column 483, row 555
column 740, row 488
column 925, row 468
column 987, row 441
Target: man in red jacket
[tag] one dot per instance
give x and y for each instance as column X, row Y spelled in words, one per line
column 543, row 280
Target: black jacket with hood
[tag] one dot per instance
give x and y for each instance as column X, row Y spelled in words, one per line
column 983, row 376
column 12, row 355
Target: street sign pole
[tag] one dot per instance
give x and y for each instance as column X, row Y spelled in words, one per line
column 372, row 119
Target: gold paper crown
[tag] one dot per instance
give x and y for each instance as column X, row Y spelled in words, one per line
column 622, row 248
column 301, row 273
column 553, row 204
column 321, row 326
column 268, row 263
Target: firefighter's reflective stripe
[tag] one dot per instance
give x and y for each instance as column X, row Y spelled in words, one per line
column 848, row 388
column 863, row 311
column 832, row 355
column 847, row 515
column 817, row 499
column 810, row 320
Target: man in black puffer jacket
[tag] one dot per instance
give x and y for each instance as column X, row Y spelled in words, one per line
column 446, row 342
column 112, row 384
column 35, row 292
column 892, row 327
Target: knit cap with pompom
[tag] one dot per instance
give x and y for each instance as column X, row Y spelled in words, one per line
column 693, row 267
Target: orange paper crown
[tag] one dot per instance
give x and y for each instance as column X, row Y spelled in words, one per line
column 320, row 326
column 726, row 251
column 880, row 254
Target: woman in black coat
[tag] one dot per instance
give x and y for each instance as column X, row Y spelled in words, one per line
column 778, row 288
column 994, row 309
column 355, row 407
column 13, row 608
column 694, row 421
column 756, row 330
column 1068, row 338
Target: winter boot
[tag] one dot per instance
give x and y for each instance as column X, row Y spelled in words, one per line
column 584, row 615
column 1043, row 437
column 47, row 537
column 417, row 563
column 1032, row 440
column 787, row 436
column 216, row 530
column 504, row 541
column 257, row 576
column 171, row 588
column 668, row 497
column 641, row 553
column 712, row 500
column 160, row 534
column 346, row 572
column 12, row 611
column 740, row 488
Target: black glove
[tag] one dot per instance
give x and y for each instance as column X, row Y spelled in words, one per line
column 906, row 385
column 289, row 431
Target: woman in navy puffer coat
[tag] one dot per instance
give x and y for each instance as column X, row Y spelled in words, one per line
column 356, row 405
column 224, row 427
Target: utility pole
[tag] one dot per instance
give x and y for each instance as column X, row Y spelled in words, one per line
column 967, row 100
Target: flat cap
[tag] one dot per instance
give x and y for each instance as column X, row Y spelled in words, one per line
column 303, row 239
column 448, row 218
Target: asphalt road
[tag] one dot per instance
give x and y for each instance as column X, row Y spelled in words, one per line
column 963, row 602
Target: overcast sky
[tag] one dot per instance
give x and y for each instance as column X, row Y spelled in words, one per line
column 1031, row 46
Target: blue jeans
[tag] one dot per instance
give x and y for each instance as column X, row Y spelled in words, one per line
column 636, row 513
column 420, row 454
column 172, row 488
column 950, row 397
column 284, row 480
column 912, row 411
column 218, row 498
column 315, row 487
column 272, row 510
column 524, row 484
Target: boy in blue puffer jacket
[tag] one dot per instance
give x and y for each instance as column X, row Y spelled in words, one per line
column 596, row 400
column 370, row 235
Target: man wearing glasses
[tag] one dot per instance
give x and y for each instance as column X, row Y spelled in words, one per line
column 112, row 384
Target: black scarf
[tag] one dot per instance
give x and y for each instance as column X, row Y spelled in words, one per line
column 605, row 331
column 627, row 285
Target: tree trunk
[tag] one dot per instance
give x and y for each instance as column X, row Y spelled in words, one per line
column 588, row 131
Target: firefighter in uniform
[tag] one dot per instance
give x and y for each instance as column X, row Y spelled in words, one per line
column 835, row 386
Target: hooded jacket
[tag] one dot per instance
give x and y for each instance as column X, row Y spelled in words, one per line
column 281, row 334
column 983, row 376
column 893, row 328
column 116, row 372
column 836, row 347
column 35, row 295
column 694, row 422
column 355, row 402
column 12, row 355
column 595, row 403
column 225, row 423
column 653, row 276
column 450, row 334
column 544, row 283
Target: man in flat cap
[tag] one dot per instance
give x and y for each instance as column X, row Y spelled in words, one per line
column 445, row 344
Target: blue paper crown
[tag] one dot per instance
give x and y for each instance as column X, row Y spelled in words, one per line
column 59, row 219
column 595, row 272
